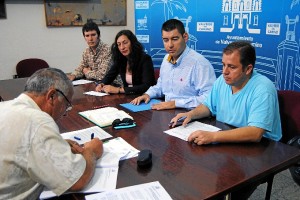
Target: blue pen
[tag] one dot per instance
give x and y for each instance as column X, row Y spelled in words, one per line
column 77, row 138
column 92, row 136
column 181, row 119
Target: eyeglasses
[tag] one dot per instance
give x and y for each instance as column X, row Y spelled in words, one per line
column 69, row 105
column 124, row 123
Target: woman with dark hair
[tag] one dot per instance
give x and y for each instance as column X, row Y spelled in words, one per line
column 132, row 63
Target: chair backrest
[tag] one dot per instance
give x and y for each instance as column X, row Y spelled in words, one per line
column 27, row 67
column 289, row 105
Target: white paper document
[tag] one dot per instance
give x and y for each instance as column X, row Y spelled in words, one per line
column 115, row 150
column 120, row 147
column 146, row 191
column 184, row 132
column 81, row 82
column 104, row 179
column 84, row 135
column 108, row 159
column 94, row 93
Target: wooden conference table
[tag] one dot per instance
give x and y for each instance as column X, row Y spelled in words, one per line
column 185, row 170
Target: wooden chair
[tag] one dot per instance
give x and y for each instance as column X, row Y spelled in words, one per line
column 27, row 67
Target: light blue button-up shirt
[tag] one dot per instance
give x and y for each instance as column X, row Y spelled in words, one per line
column 187, row 82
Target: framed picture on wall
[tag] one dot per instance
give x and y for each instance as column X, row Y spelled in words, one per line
column 77, row 12
column 2, row 9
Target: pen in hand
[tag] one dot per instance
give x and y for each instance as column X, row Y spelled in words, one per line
column 92, row 136
column 181, row 119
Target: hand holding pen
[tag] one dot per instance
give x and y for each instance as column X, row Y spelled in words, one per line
column 75, row 147
column 96, row 146
column 181, row 118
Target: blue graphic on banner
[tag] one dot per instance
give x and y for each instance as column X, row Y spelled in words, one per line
column 272, row 28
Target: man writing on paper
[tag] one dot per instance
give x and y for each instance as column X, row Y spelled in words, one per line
column 33, row 154
column 242, row 98
column 186, row 77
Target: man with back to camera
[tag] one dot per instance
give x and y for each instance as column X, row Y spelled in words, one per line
column 186, row 77
column 242, row 98
column 34, row 155
column 96, row 59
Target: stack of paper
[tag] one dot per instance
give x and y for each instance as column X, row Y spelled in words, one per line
column 115, row 150
column 120, row 147
column 106, row 172
column 104, row 116
column 149, row 191
column 81, row 82
column 94, row 93
column 104, row 179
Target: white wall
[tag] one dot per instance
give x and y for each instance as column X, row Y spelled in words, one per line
column 24, row 34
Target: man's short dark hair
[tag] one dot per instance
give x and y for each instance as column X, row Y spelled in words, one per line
column 90, row 26
column 246, row 50
column 172, row 24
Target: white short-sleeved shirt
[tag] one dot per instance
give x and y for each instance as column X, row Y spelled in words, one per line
column 33, row 154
